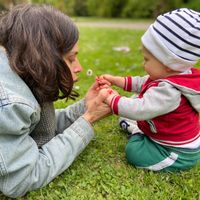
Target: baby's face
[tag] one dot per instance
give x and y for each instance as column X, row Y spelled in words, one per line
column 153, row 66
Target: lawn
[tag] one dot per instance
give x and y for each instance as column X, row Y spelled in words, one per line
column 101, row 171
column 115, row 20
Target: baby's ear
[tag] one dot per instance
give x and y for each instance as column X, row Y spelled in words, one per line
column 168, row 69
column 171, row 71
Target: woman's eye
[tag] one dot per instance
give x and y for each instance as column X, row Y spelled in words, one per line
column 71, row 60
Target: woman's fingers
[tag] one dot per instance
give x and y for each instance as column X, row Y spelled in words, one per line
column 102, row 96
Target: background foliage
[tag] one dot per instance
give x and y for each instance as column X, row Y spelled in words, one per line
column 113, row 8
column 121, row 8
column 101, row 171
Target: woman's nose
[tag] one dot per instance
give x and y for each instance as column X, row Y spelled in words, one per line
column 78, row 67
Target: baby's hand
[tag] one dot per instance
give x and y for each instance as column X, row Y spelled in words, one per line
column 112, row 80
column 107, row 78
column 102, row 83
column 109, row 94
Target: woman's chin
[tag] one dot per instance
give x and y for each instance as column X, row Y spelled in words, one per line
column 75, row 80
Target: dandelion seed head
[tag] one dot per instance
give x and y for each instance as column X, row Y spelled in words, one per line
column 89, row 72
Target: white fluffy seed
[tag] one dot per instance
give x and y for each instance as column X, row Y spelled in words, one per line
column 89, row 72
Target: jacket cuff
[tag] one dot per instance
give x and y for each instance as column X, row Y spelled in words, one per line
column 84, row 130
column 114, row 104
column 128, row 83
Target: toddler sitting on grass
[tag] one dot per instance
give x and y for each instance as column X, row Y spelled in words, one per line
column 163, row 120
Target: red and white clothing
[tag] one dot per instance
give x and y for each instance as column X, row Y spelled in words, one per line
column 166, row 110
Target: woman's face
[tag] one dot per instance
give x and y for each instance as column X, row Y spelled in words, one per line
column 72, row 62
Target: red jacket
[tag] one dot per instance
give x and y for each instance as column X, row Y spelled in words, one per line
column 180, row 126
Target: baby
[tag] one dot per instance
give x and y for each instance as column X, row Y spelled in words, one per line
column 163, row 119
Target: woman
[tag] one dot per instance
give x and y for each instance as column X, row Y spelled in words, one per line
column 38, row 65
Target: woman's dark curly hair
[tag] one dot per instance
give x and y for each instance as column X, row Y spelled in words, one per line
column 36, row 37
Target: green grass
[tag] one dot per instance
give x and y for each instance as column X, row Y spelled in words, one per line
column 115, row 20
column 101, row 171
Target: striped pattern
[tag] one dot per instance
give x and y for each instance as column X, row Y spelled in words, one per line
column 114, row 104
column 174, row 39
column 128, row 83
column 179, row 30
column 167, row 162
column 192, row 143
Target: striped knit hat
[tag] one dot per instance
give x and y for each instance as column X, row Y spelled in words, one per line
column 174, row 39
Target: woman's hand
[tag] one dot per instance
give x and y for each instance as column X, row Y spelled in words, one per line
column 96, row 108
column 94, row 89
column 92, row 92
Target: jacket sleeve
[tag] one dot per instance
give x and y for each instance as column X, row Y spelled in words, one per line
column 24, row 167
column 65, row 117
column 134, row 83
column 156, row 101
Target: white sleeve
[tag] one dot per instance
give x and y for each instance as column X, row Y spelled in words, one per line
column 137, row 83
column 156, row 101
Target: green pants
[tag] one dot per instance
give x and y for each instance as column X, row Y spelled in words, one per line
column 145, row 153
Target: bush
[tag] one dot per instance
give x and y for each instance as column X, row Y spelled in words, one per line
column 93, row 7
column 149, row 9
column 192, row 4
column 138, row 8
column 105, row 8
column 120, row 8
column 80, row 8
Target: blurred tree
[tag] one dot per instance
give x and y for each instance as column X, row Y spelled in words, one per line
column 150, row 8
column 58, row 4
column 105, row 8
column 7, row 4
column 117, row 8
column 193, row 4
column 166, row 5
column 92, row 7
column 80, row 8
column 137, row 8
column 112, row 8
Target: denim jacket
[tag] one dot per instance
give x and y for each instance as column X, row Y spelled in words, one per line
column 24, row 166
